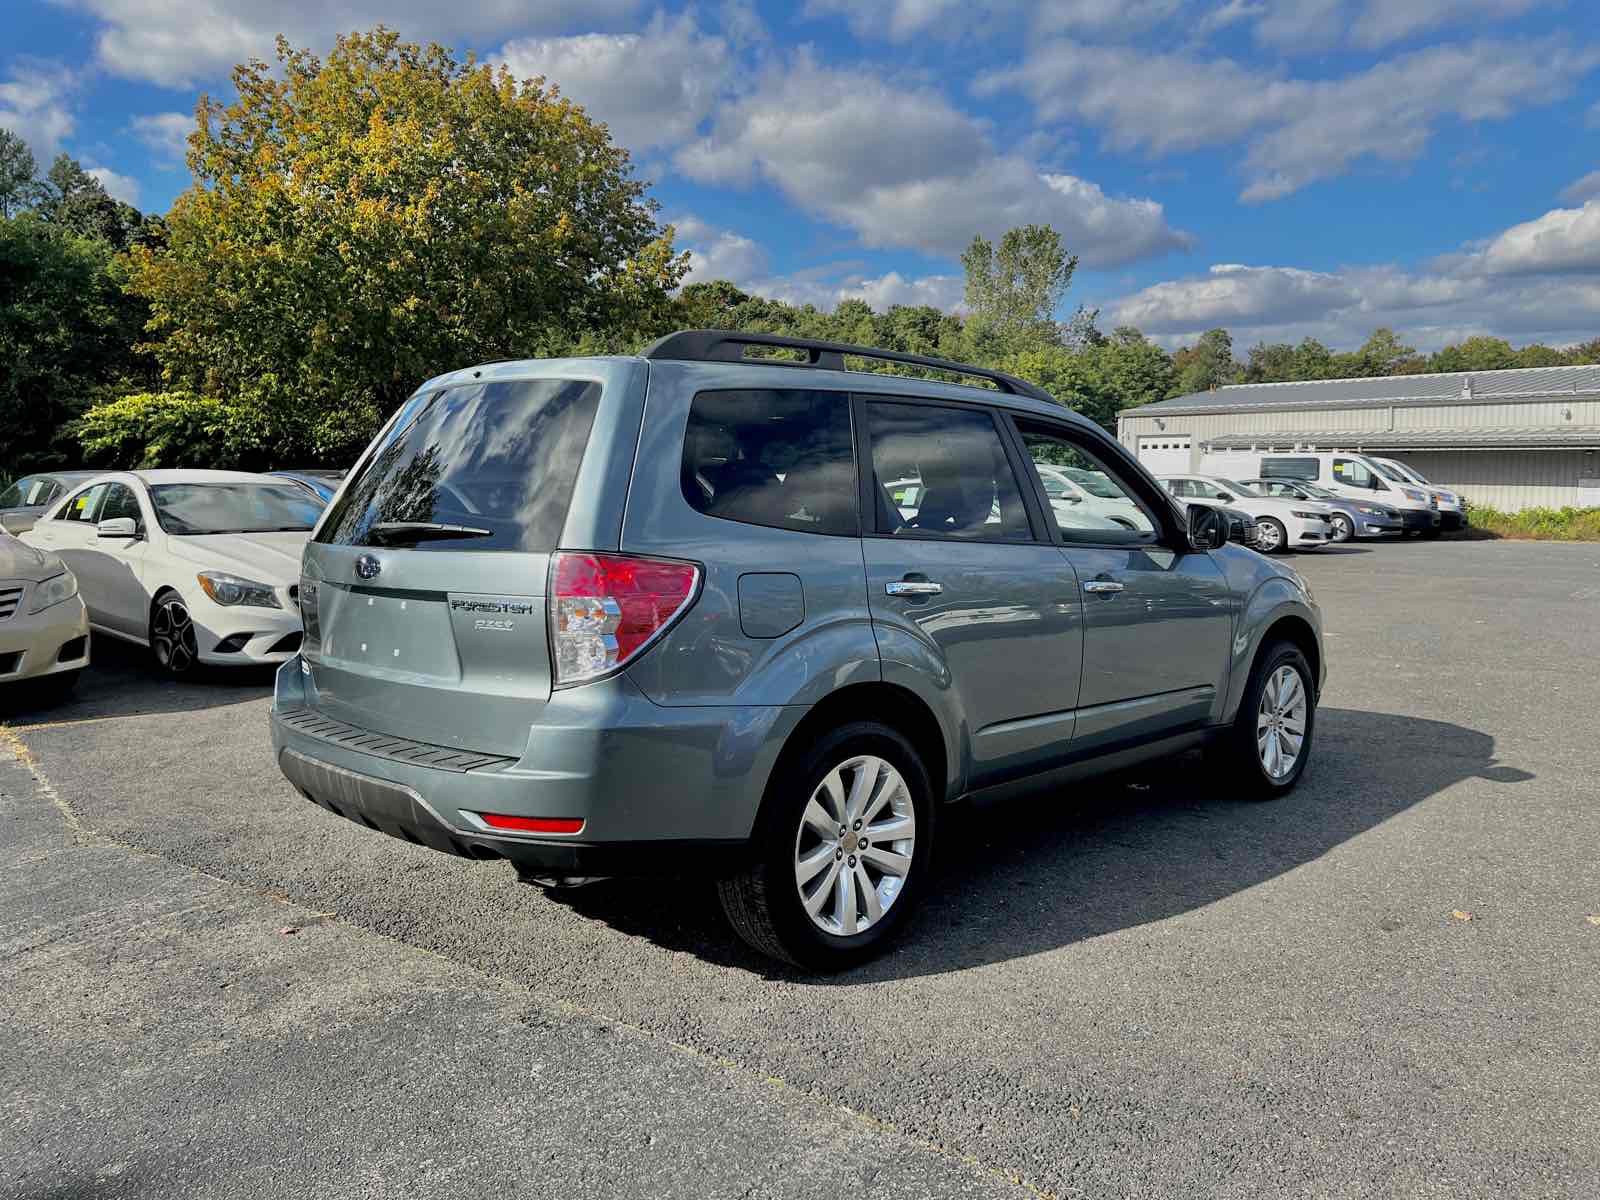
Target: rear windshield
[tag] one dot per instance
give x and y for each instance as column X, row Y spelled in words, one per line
column 489, row 466
column 192, row 509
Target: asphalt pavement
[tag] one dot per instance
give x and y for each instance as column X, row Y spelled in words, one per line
column 1385, row 984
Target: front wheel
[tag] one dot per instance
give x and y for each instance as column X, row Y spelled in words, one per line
column 1266, row 751
column 172, row 636
column 1271, row 536
column 842, row 851
column 1343, row 528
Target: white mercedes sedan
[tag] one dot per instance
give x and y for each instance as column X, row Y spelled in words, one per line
column 200, row 566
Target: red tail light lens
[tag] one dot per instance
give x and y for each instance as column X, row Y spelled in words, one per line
column 605, row 608
column 533, row 824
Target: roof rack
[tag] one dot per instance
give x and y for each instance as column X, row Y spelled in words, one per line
column 718, row 345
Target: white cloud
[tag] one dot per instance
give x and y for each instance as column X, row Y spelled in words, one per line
column 652, row 88
column 165, row 133
column 1536, row 281
column 34, row 105
column 121, row 187
column 1296, row 131
column 904, row 168
column 1580, row 190
column 719, row 253
column 1311, row 26
column 903, row 20
column 178, row 44
column 1563, row 241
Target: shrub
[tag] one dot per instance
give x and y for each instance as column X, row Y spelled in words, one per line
column 1539, row 524
column 175, row 429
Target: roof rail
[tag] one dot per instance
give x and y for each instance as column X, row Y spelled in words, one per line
column 719, row 345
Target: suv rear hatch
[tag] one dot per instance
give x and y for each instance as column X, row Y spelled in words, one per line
column 424, row 586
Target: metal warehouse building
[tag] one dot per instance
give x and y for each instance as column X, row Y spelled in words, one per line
column 1509, row 439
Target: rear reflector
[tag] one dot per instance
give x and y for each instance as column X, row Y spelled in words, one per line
column 533, row 824
column 606, row 608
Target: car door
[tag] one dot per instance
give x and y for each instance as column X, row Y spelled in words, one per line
column 967, row 584
column 1158, row 614
column 69, row 533
column 111, row 572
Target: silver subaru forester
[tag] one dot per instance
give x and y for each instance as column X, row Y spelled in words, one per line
column 759, row 619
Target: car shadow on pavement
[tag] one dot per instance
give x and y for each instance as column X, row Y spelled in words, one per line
column 1042, row 872
column 122, row 681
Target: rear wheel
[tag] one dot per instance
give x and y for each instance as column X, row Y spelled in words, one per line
column 1271, row 537
column 172, row 636
column 1343, row 529
column 1266, row 751
column 842, row 851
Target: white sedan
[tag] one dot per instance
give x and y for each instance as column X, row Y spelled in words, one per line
column 200, row 566
column 1280, row 524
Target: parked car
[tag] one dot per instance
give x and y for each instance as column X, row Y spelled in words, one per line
column 44, row 628
column 24, row 500
column 1353, row 476
column 1452, row 509
column 200, row 566
column 1073, row 491
column 1350, row 518
column 321, row 484
column 1281, row 525
column 662, row 615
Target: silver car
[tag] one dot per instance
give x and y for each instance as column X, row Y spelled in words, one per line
column 665, row 615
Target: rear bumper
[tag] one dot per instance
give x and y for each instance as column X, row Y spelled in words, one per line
column 659, row 790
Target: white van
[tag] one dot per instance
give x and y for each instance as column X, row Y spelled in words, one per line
column 1354, row 476
column 1452, row 510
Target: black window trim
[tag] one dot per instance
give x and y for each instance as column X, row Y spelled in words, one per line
column 855, row 446
column 1155, row 499
column 868, row 502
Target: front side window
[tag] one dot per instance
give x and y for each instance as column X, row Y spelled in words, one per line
column 196, row 509
column 120, row 502
column 951, row 466
column 1354, row 474
column 1290, row 468
column 84, row 506
column 776, row 457
column 486, row 466
column 1107, row 512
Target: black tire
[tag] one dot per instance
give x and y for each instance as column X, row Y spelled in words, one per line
column 763, row 902
column 1235, row 755
column 60, row 687
column 172, row 643
column 1282, row 546
column 1343, row 529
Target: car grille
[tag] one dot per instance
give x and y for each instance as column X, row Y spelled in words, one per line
column 10, row 599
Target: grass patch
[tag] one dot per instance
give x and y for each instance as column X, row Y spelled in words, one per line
column 1535, row 524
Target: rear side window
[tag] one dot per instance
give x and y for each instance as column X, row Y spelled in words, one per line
column 1290, row 468
column 488, row 466
column 781, row 458
column 25, row 493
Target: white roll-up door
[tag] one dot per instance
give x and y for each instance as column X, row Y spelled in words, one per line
column 1164, row 454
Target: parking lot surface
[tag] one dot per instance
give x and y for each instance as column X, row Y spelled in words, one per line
column 1384, row 984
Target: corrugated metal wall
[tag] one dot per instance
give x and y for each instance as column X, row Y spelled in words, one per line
column 1505, row 479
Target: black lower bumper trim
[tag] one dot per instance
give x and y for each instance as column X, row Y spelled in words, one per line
column 400, row 813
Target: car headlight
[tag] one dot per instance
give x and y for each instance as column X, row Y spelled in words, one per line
column 230, row 590
column 1419, row 497
column 1307, row 515
column 1369, row 510
column 53, row 591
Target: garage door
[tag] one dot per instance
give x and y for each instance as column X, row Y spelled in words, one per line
column 1165, row 455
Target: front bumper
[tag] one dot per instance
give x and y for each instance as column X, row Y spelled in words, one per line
column 1452, row 519
column 1309, row 533
column 1376, row 525
column 52, row 642
column 659, row 790
column 242, row 634
column 1415, row 519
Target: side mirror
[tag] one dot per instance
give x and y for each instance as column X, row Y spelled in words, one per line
column 1208, row 527
column 118, row 527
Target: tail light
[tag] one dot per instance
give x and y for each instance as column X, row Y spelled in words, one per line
column 308, row 609
column 606, row 608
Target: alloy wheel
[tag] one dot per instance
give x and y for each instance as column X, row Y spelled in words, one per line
column 1281, row 722
column 854, row 847
column 1343, row 530
column 1268, row 535
column 172, row 636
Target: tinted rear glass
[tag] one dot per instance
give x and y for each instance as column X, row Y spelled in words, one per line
column 489, row 466
column 782, row 458
column 1290, row 468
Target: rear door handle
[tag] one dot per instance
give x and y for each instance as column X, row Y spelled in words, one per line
column 913, row 587
column 1102, row 585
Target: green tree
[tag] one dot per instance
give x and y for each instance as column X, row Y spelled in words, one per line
column 1584, row 354
column 1208, row 364
column 1384, row 354
column 359, row 224
column 19, row 182
column 1475, row 354
column 75, row 201
column 1013, row 291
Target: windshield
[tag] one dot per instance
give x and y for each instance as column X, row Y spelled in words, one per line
column 27, row 492
column 1389, row 472
column 192, row 509
column 1410, row 476
column 1229, row 485
column 1094, row 482
column 1321, row 493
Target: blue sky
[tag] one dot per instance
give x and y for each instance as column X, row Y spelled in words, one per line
column 1284, row 168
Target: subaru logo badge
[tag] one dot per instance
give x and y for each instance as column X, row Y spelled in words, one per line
column 367, row 567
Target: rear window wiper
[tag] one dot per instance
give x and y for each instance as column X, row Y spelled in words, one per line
column 424, row 531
